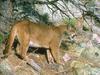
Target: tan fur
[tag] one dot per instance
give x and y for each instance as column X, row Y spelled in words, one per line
column 79, row 23
column 43, row 35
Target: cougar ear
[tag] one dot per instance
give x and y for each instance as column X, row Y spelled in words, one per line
column 79, row 23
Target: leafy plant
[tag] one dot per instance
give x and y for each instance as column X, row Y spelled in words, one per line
column 1, row 38
column 85, row 28
column 71, row 22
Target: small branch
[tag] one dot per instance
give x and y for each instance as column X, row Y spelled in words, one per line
column 62, row 5
column 69, row 10
column 51, row 9
column 67, row 71
column 60, row 10
column 45, row 2
column 34, row 65
column 77, row 5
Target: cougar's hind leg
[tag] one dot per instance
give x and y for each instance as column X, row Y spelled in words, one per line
column 8, row 48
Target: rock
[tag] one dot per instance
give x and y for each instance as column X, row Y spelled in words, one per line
column 15, row 66
column 92, row 55
column 81, row 68
column 5, row 68
column 25, row 70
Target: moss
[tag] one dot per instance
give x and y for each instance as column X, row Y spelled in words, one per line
column 70, row 22
column 1, row 38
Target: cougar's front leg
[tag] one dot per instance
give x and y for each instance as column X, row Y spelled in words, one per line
column 23, row 48
column 54, row 45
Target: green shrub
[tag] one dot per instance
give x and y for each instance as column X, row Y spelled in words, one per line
column 70, row 22
column 1, row 38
